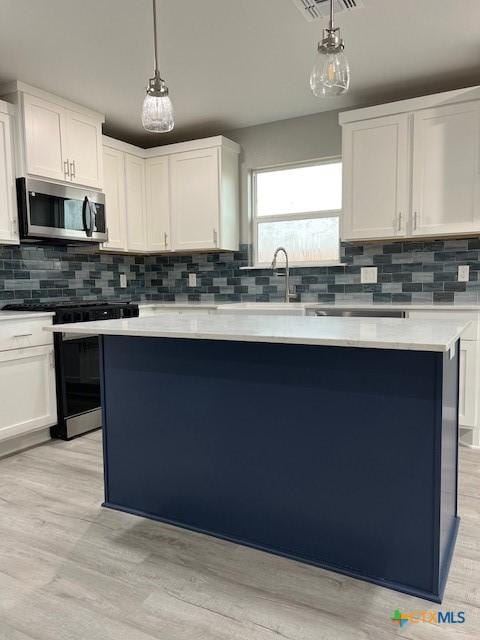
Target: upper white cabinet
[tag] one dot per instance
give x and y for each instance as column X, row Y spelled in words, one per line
column 8, row 202
column 135, row 203
column 375, row 177
column 411, row 168
column 57, row 139
column 446, row 177
column 114, row 186
column 194, row 182
column 181, row 197
column 158, row 204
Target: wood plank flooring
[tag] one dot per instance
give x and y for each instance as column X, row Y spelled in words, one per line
column 72, row 570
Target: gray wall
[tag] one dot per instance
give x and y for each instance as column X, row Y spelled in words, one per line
column 294, row 140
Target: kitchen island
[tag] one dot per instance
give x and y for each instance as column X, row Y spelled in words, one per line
column 332, row 442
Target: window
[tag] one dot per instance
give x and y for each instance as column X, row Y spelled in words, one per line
column 298, row 208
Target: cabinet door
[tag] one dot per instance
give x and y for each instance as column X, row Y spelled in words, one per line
column 44, row 138
column 27, row 391
column 446, row 148
column 8, row 209
column 375, row 178
column 467, row 397
column 158, row 204
column 114, row 186
column 135, row 203
column 195, row 199
column 84, row 149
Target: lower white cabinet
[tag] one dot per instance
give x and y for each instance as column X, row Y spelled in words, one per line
column 27, row 390
column 469, row 384
column 8, row 199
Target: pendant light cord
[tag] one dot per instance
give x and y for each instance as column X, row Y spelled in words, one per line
column 155, row 46
column 331, row 26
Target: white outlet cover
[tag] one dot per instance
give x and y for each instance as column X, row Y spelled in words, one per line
column 123, row 280
column 463, row 273
column 369, row 275
column 192, row 279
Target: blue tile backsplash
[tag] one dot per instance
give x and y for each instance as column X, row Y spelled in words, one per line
column 408, row 272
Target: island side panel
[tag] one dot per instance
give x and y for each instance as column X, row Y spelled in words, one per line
column 325, row 454
column 448, row 466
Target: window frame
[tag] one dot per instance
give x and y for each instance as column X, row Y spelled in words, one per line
column 256, row 220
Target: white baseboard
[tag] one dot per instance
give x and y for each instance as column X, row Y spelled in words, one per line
column 20, row 443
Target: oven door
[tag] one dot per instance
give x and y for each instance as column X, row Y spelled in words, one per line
column 78, row 385
column 60, row 212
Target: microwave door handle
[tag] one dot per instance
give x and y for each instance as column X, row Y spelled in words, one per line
column 87, row 227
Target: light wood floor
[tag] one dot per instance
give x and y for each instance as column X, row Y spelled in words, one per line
column 71, row 570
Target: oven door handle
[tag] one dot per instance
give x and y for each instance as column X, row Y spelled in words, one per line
column 87, row 207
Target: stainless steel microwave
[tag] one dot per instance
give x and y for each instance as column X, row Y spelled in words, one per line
column 60, row 213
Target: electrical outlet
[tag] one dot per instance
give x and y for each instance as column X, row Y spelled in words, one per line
column 368, row 275
column 123, row 280
column 192, row 279
column 463, row 273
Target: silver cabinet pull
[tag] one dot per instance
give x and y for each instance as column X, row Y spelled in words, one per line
column 66, row 169
column 400, row 221
column 52, row 360
column 22, row 335
column 165, row 237
column 72, row 169
column 215, row 237
column 415, row 221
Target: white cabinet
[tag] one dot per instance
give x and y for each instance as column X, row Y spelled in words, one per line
column 412, row 168
column 135, row 203
column 84, row 149
column 57, row 139
column 375, row 178
column 45, row 145
column 158, row 204
column 469, row 369
column 468, row 383
column 114, row 187
column 194, row 183
column 181, row 197
column 8, row 201
column 27, row 390
column 446, row 172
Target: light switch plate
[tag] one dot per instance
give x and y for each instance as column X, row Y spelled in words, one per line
column 368, row 275
column 463, row 272
column 192, row 279
column 123, row 280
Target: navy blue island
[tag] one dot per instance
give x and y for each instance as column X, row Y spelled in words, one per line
column 331, row 441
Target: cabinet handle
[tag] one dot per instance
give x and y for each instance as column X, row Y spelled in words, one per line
column 415, row 221
column 14, row 224
column 165, row 237
column 400, row 221
column 66, row 169
column 215, row 237
column 72, row 169
column 22, row 335
column 52, row 360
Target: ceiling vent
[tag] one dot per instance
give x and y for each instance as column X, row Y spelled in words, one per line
column 317, row 9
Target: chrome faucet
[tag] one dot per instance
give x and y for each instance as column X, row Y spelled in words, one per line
column 288, row 295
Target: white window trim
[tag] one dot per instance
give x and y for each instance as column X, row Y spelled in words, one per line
column 289, row 216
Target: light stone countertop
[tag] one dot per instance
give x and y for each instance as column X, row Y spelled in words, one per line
column 377, row 333
column 25, row 315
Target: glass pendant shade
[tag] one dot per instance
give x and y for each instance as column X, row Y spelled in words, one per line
column 157, row 113
column 330, row 75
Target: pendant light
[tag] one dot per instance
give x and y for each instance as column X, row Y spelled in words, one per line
column 157, row 112
column 331, row 74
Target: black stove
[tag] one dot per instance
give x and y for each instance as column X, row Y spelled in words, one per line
column 77, row 362
column 82, row 311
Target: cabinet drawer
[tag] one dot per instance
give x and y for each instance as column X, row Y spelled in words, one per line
column 470, row 333
column 19, row 334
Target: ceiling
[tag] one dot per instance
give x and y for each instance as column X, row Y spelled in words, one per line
column 231, row 63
